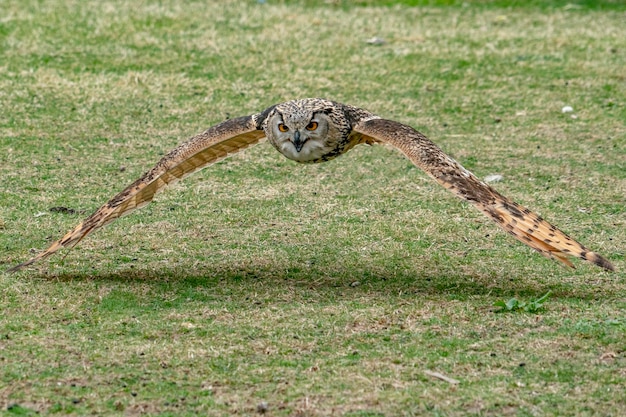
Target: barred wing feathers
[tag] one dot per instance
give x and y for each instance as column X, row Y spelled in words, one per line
column 523, row 224
column 213, row 145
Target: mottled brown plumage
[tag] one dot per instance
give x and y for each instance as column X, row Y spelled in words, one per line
column 317, row 130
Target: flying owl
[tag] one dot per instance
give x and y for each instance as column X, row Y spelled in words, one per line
column 317, row 130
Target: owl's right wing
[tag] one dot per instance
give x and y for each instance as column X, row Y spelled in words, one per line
column 213, row 145
column 523, row 224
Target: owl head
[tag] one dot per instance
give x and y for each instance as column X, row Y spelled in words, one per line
column 302, row 130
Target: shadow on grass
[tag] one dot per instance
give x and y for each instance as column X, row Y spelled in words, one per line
column 339, row 282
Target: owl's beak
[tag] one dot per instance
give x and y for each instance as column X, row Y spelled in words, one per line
column 297, row 142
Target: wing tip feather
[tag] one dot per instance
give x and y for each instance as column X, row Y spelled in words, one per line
column 599, row 260
column 22, row 265
column 43, row 255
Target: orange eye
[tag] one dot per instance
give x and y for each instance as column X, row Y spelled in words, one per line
column 282, row 127
column 311, row 126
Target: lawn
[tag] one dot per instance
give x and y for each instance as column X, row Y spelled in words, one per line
column 357, row 287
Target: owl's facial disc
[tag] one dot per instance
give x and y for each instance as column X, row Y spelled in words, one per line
column 300, row 136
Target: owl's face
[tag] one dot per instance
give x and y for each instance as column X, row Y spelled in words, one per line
column 300, row 136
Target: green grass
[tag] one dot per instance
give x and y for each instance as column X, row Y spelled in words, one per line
column 318, row 290
column 487, row 4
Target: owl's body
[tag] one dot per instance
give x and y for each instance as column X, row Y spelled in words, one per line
column 317, row 130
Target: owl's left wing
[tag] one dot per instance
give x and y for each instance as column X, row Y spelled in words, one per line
column 213, row 145
column 519, row 221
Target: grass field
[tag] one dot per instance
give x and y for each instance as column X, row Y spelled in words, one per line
column 260, row 286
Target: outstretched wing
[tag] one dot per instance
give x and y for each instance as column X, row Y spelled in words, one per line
column 213, row 145
column 519, row 221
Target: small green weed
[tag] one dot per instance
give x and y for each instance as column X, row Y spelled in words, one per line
column 514, row 304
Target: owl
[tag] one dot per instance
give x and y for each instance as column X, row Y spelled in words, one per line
column 316, row 130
